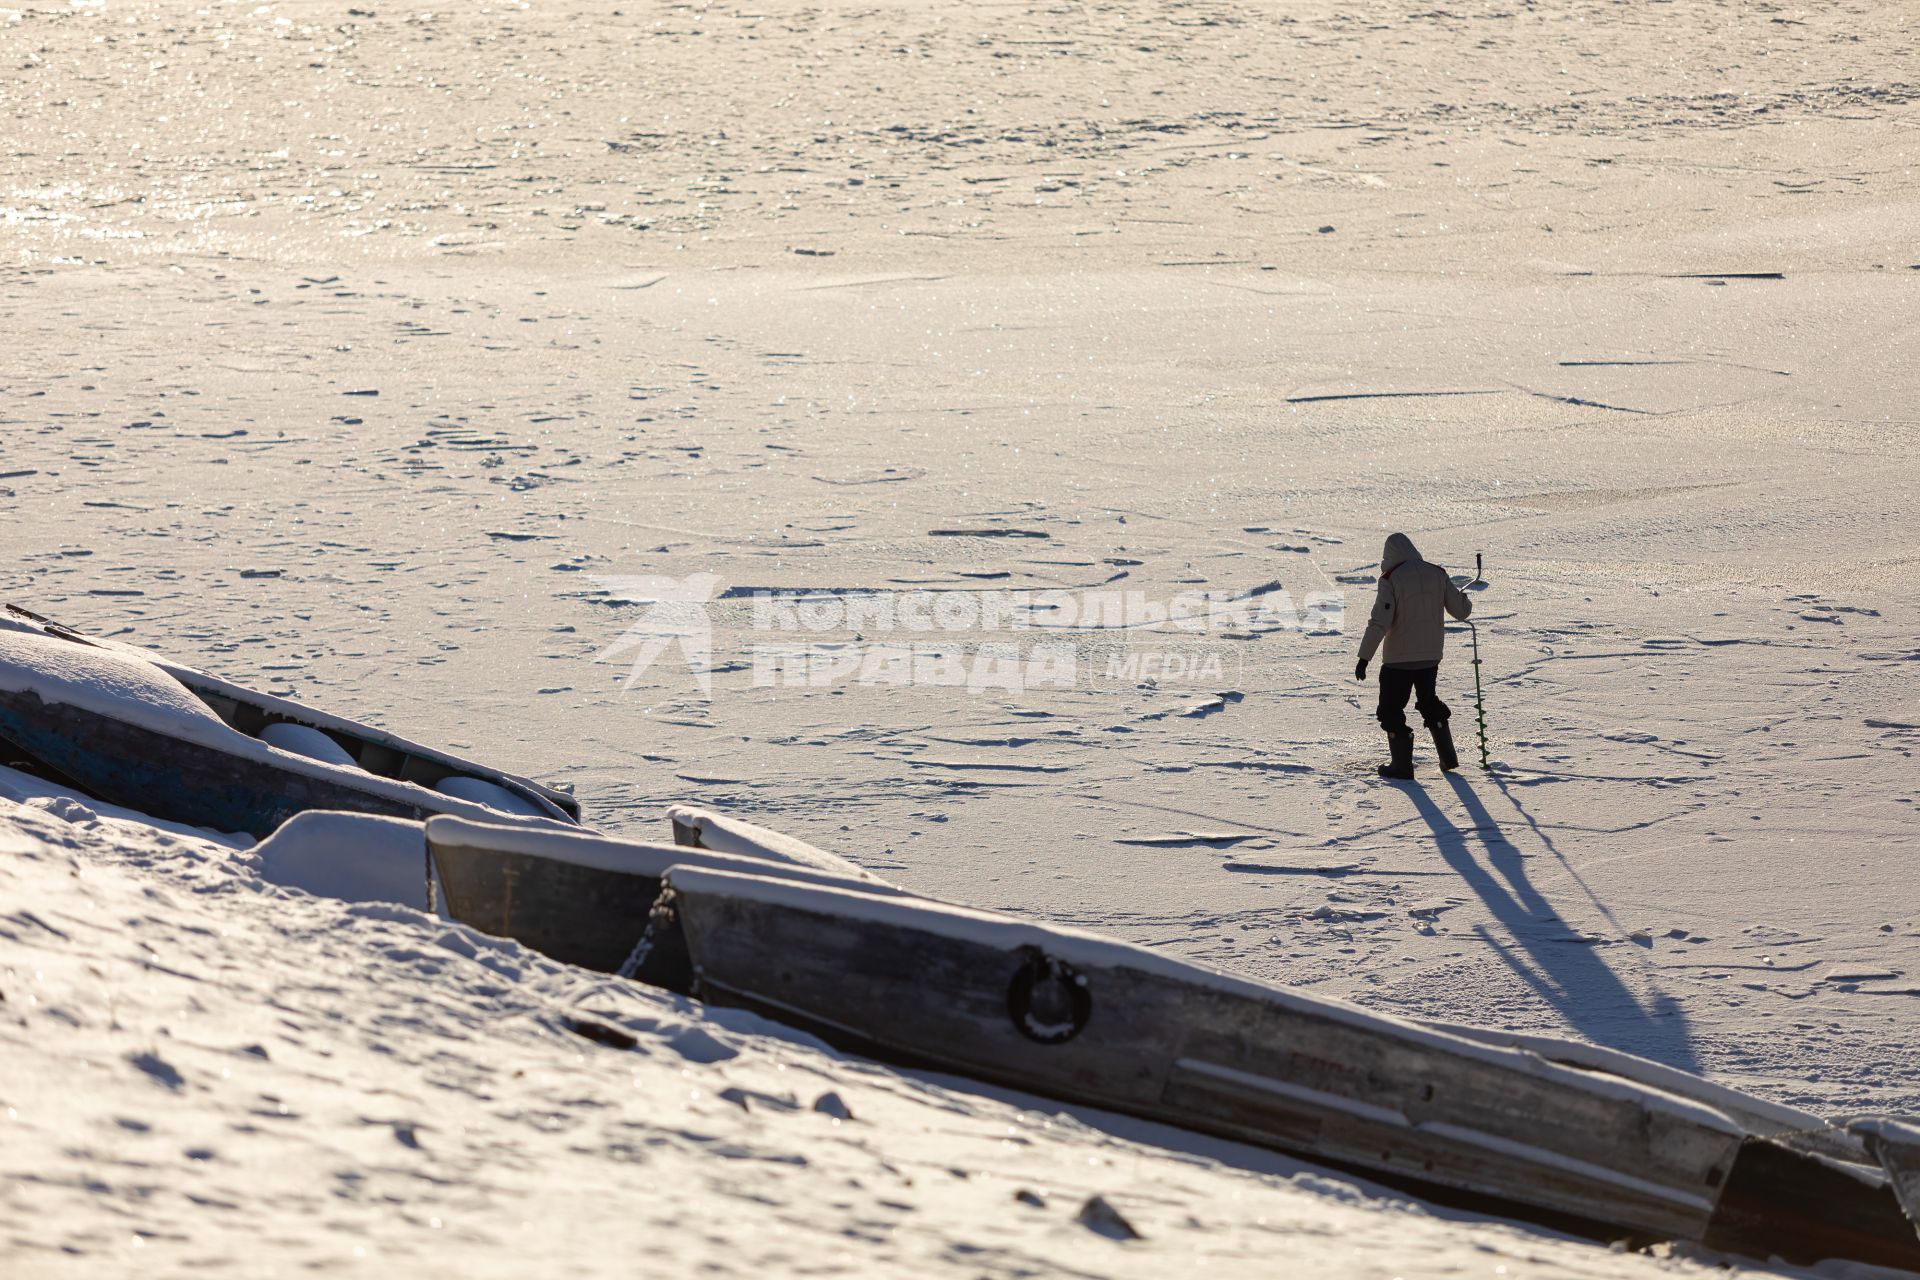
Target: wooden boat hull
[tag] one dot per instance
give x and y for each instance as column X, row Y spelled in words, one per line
column 580, row 898
column 1783, row 1202
column 594, row 916
column 1100, row 1023
column 586, row 916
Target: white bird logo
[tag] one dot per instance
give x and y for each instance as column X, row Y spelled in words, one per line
column 676, row 614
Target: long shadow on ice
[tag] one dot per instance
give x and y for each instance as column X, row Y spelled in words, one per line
column 1559, row 963
column 1546, row 842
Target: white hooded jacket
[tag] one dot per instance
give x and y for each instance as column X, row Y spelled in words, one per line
column 1407, row 607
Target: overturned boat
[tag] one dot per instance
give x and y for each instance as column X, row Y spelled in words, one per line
column 131, row 728
column 1493, row 1127
column 1569, row 1135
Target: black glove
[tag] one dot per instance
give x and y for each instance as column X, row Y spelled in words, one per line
column 1360, row 669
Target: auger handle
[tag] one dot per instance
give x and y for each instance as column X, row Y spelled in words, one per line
column 1479, row 698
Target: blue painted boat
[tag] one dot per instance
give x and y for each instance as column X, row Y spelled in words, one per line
column 131, row 728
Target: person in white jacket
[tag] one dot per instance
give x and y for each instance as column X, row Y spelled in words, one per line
column 1408, row 620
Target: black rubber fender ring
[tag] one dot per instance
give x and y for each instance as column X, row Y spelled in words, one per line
column 1052, row 979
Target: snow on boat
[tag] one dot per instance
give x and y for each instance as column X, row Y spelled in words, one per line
column 1096, row 1022
column 699, row 828
column 131, row 728
column 587, row 899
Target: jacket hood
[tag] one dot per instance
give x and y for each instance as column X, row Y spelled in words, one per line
column 1398, row 551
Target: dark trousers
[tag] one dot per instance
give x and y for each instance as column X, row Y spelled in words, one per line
column 1396, row 683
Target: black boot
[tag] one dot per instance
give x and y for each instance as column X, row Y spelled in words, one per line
column 1443, row 744
column 1401, row 745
